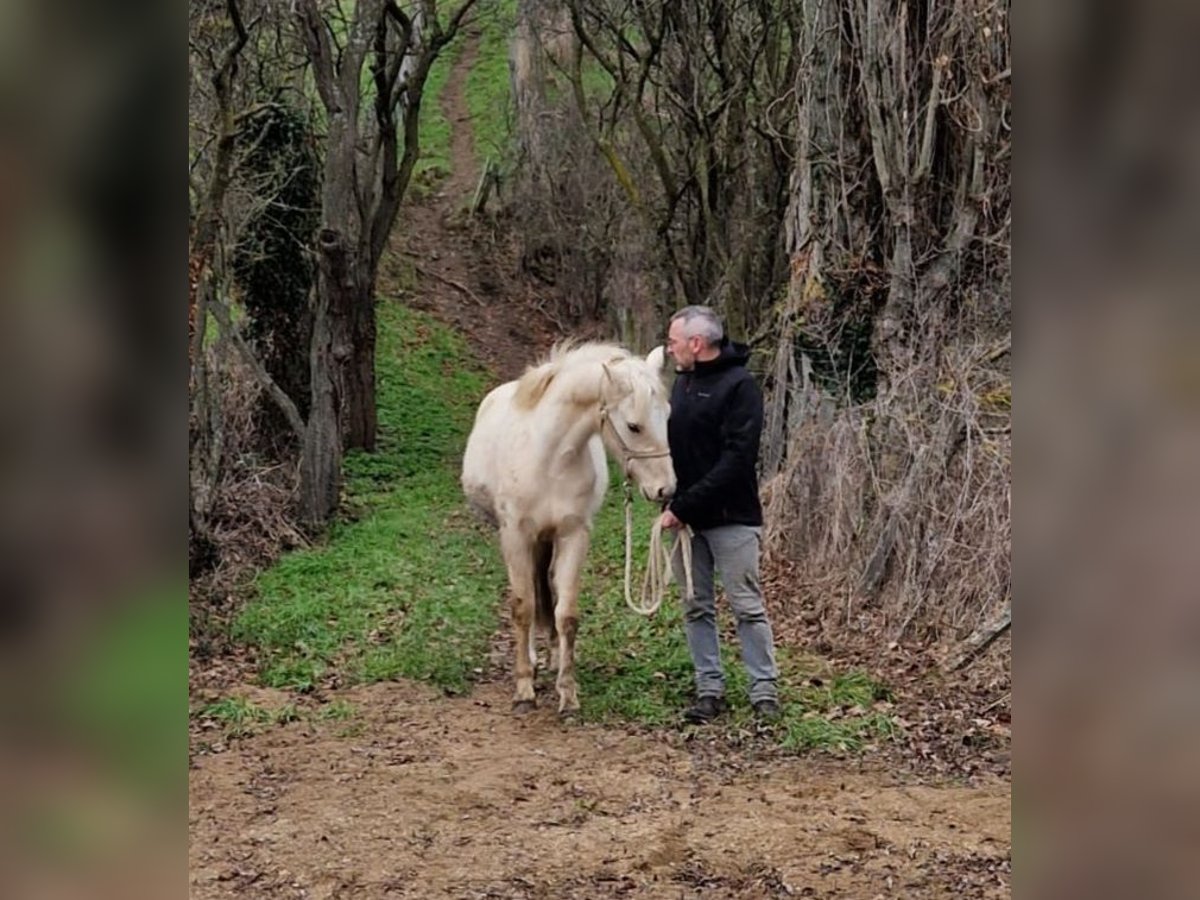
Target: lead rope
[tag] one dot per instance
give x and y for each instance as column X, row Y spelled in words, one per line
column 658, row 565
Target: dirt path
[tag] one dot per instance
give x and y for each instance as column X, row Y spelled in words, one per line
column 464, row 170
column 464, row 267
column 418, row 795
column 437, row 797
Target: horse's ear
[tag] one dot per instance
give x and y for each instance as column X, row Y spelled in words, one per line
column 657, row 359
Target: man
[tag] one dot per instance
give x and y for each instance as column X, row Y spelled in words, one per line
column 714, row 431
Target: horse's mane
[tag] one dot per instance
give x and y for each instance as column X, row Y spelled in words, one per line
column 563, row 357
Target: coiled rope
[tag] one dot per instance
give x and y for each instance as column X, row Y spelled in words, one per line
column 658, row 566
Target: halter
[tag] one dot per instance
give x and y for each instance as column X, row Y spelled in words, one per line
column 658, row 566
column 628, row 454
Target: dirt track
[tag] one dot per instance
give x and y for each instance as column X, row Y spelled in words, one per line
column 456, row 797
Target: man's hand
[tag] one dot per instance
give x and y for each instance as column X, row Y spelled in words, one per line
column 669, row 520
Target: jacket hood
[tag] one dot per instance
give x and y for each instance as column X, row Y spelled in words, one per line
column 732, row 354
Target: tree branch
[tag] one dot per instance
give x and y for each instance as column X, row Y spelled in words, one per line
column 320, row 53
column 980, row 640
column 221, row 312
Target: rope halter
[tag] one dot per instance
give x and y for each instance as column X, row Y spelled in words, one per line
column 628, row 454
column 659, row 572
column 658, row 566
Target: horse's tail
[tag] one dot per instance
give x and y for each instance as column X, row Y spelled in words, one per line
column 543, row 592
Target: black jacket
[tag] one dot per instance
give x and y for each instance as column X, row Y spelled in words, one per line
column 714, row 432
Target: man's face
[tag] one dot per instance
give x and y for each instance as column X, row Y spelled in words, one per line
column 680, row 348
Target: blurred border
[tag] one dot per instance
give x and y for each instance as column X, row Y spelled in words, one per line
column 1109, row 438
column 93, row 245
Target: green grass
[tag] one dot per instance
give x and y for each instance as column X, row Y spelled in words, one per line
column 837, row 714
column 629, row 666
column 410, row 587
column 337, row 711
column 242, row 717
column 489, row 88
column 636, row 668
column 598, row 84
column 434, row 162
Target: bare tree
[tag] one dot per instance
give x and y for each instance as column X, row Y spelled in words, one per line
column 207, row 275
column 369, row 69
column 679, row 103
column 899, row 204
column 372, row 144
column 834, row 175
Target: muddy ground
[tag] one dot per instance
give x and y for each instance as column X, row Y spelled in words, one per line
column 428, row 796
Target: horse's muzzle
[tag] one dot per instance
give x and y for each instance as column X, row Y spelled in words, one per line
column 659, row 494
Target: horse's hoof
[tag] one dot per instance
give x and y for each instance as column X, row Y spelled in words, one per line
column 524, row 707
column 569, row 716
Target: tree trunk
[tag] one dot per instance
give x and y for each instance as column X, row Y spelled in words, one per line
column 527, row 74
column 361, row 190
column 808, row 229
column 321, row 456
column 321, row 459
column 361, row 414
column 206, row 267
column 206, row 436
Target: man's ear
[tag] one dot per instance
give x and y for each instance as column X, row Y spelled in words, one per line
column 657, row 359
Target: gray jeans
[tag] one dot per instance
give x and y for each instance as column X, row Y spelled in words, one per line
column 733, row 551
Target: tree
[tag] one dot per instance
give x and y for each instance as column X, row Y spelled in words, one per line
column 206, row 277
column 833, row 176
column 272, row 263
column 370, row 152
column 369, row 69
column 691, row 130
column 899, row 236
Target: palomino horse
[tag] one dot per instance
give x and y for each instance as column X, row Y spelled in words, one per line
column 534, row 467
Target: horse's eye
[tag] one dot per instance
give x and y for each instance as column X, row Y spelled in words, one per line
column 636, row 429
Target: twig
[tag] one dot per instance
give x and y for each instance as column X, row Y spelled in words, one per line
column 450, row 281
column 980, row 640
column 995, row 703
column 1003, row 347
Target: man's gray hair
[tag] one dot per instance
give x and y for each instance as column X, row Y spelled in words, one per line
column 703, row 322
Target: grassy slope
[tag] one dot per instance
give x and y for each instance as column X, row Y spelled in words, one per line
column 488, row 89
column 410, row 587
column 434, row 161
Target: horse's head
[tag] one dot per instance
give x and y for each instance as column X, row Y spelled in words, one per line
column 634, row 422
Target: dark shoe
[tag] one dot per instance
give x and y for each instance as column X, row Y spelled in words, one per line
column 705, row 709
column 768, row 711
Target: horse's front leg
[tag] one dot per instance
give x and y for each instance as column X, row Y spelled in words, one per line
column 569, row 553
column 518, row 556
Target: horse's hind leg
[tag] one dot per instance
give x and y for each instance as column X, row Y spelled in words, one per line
column 569, row 554
column 543, row 610
column 519, row 558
